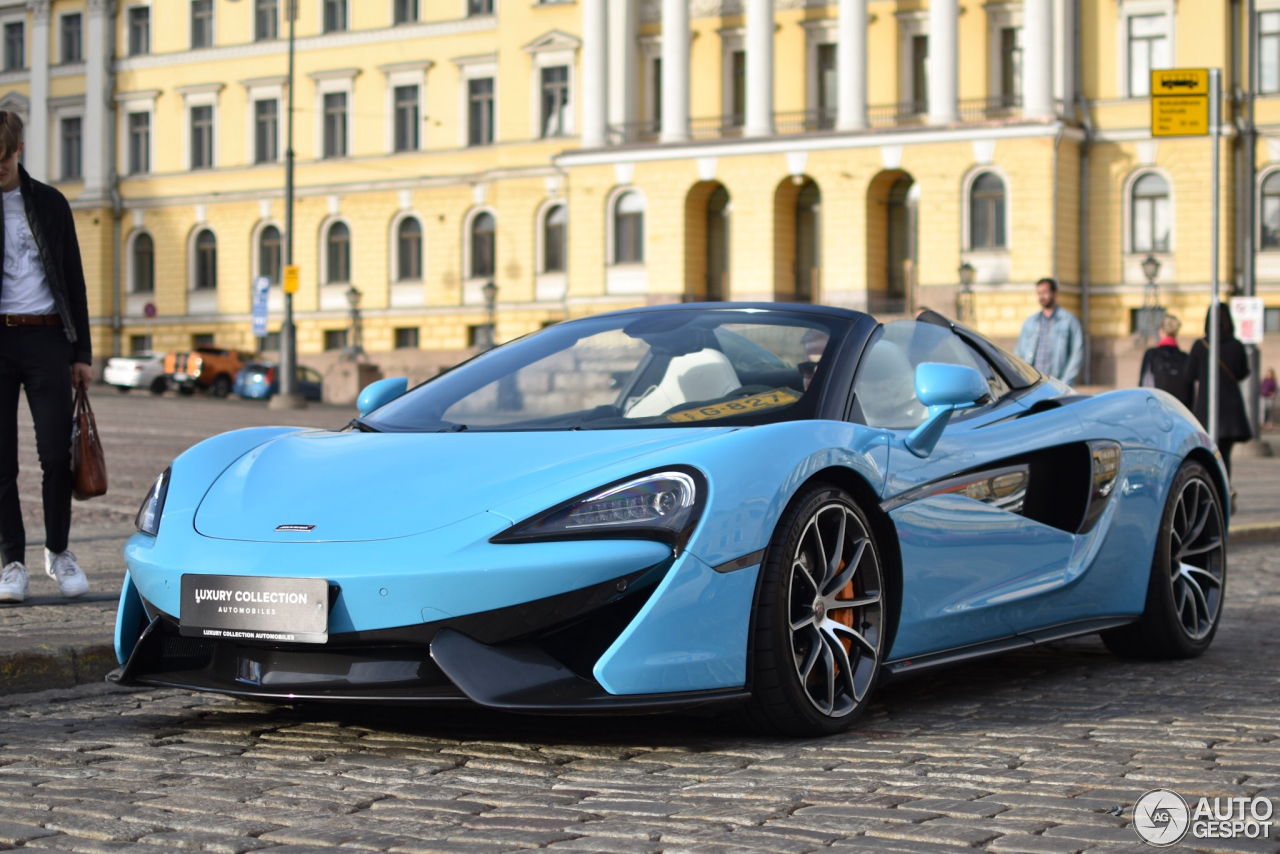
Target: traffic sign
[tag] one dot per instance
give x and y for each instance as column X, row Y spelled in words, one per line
column 1180, row 102
column 1248, row 314
column 261, row 288
column 291, row 279
column 149, row 310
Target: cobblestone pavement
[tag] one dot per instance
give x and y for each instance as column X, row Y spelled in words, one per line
column 1041, row 751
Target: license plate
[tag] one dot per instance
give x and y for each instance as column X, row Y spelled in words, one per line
column 741, row 406
column 182, row 378
column 235, row 607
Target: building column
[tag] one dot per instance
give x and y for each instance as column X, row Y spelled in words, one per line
column 944, row 66
column 851, row 66
column 760, row 26
column 1037, row 59
column 595, row 73
column 96, row 129
column 675, row 71
column 36, row 156
column 624, row 62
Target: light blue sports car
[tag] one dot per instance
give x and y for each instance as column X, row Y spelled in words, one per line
column 765, row 506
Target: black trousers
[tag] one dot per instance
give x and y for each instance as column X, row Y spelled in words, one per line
column 37, row 358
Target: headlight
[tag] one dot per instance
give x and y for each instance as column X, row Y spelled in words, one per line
column 662, row 505
column 148, row 520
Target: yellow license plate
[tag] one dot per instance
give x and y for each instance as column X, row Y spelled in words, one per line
column 742, row 406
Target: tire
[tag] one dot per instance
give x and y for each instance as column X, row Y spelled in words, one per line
column 221, row 386
column 158, row 385
column 815, row 659
column 123, row 389
column 186, row 390
column 1188, row 575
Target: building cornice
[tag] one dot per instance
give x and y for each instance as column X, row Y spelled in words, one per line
column 398, row 67
column 141, row 95
column 200, row 89
column 329, row 41
column 272, row 80
column 335, row 74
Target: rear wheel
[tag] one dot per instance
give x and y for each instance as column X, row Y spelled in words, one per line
column 819, row 622
column 221, row 386
column 158, row 385
column 1188, row 575
column 186, row 390
column 123, row 389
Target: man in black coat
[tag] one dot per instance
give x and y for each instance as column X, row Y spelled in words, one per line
column 44, row 348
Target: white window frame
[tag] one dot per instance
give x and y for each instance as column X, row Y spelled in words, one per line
column 1267, row 260
column 320, row 30
column 129, row 270
column 816, row 33
column 554, row 285
column 406, row 74
column 264, row 89
column 1261, row 6
column 476, row 68
column 1000, row 16
column 255, row 251
column 1138, row 8
column 990, row 266
column 84, row 25
column 126, row 104
column 328, row 83
column 466, row 8
column 405, row 292
column 71, row 107
column 471, row 286
column 650, row 49
column 124, row 29
column 17, row 15
column 910, row 25
column 1132, row 261
column 213, row 23
column 328, row 223
column 553, row 50
column 202, row 301
column 732, row 40
column 391, row 13
column 625, row 278
column 204, row 95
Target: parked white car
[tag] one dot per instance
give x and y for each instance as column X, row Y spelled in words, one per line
column 141, row 370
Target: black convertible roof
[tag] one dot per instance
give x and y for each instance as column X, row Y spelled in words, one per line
column 788, row 307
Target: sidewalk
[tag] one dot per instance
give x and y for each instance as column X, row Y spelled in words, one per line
column 49, row 642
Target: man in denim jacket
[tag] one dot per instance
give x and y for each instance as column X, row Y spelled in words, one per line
column 1051, row 339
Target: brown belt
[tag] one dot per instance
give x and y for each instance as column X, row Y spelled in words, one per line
column 30, row 319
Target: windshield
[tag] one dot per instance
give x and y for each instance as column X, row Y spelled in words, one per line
column 676, row 368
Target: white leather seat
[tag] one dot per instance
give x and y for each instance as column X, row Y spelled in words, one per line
column 703, row 375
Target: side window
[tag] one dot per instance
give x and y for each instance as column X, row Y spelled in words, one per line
column 885, row 389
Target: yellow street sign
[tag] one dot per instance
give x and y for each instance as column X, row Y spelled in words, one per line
column 1180, row 102
column 291, row 279
column 1180, row 81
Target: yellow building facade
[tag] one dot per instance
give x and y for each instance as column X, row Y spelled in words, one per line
column 592, row 155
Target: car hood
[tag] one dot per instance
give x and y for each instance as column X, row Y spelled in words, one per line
column 330, row 487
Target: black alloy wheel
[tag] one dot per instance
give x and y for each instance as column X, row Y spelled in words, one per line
column 1188, row 575
column 221, row 386
column 820, row 618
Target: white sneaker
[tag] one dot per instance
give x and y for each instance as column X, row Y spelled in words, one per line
column 14, row 584
column 62, row 568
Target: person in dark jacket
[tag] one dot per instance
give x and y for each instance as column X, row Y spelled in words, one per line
column 1164, row 366
column 44, row 348
column 1233, row 367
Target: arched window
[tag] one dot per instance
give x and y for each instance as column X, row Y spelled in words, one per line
column 269, row 254
column 206, row 261
column 628, row 229
column 1271, row 211
column 555, row 228
column 409, row 250
column 144, row 264
column 1152, row 215
column 338, row 250
column 808, row 237
column 484, row 246
column 986, row 212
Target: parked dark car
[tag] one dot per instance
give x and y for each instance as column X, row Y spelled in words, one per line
column 260, row 380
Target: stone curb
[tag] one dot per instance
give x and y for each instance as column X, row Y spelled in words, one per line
column 1258, row 532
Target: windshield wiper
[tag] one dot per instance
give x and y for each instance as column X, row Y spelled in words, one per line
column 362, row 426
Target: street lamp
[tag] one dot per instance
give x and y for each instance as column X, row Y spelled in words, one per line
column 1152, row 314
column 490, row 291
column 355, row 346
column 289, row 398
column 964, row 299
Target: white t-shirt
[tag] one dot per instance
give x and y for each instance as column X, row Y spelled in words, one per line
column 23, row 289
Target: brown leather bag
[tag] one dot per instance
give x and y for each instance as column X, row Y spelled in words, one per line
column 88, row 463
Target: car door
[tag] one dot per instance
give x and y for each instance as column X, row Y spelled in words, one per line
column 972, row 555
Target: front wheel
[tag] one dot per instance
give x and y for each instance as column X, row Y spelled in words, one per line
column 221, row 386
column 158, row 385
column 820, row 618
column 1188, row 575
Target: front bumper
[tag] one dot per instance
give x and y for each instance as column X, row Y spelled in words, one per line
column 538, row 656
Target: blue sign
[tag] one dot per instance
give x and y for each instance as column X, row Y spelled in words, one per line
column 261, row 287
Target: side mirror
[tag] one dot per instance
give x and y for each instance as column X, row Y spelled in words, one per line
column 381, row 393
column 944, row 389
